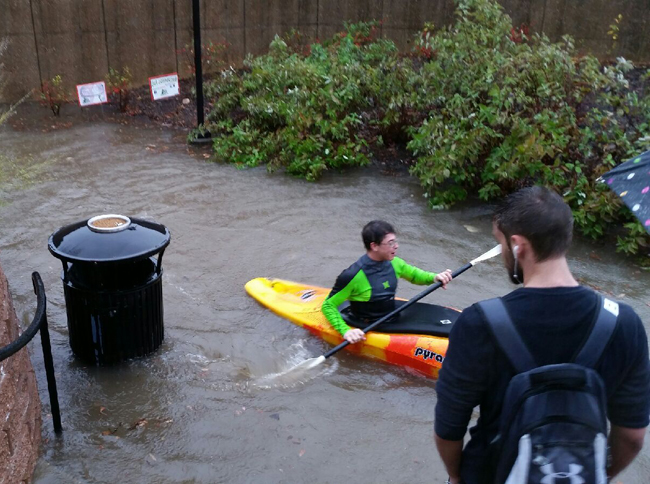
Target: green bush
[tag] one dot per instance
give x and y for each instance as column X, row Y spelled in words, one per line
column 308, row 112
column 517, row 110
column 484, row 107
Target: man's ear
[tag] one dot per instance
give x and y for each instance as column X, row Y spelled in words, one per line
column 521, row 243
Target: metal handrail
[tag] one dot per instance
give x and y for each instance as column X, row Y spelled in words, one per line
column 39, row 323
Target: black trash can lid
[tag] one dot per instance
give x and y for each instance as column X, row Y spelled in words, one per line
column 108, row 238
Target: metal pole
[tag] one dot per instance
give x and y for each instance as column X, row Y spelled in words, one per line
column 204, row 137
column 198, row 65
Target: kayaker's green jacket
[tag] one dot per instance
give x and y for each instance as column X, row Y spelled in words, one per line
column 370, row 287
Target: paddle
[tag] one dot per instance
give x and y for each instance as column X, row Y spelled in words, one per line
column 317, row 361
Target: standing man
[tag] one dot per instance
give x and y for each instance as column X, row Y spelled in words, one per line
column 553, row 316
column 371, row 282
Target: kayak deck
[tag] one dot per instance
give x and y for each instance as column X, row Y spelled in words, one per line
column 403, row 342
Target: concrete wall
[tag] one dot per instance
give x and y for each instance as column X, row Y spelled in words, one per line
column 80, row 39
column 20, row 407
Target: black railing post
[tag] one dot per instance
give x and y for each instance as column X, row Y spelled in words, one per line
column 39, row 290
column 49, row 372
column 39, row 323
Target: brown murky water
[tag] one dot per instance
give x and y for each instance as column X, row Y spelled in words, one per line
column 190, row 413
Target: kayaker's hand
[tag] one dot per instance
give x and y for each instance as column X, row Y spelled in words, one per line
column 354, row 335
column 444, row 278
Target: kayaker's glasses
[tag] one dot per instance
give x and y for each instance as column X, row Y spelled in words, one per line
column 391, row 243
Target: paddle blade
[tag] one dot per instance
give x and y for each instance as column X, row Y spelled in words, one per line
column 488, row 255
column 298, row 374
column 308, row 364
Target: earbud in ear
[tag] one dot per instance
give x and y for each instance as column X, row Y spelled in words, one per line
column 515, row 273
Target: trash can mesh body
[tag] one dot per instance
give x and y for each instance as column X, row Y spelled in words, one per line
column 106, row 327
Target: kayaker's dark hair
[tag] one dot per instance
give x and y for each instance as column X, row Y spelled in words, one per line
column 375, row 231
column 540, row 215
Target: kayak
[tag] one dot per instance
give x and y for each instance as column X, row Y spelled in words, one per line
column 417, row 338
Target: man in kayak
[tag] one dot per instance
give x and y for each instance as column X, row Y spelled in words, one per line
column 553, row 315
column 371, row 282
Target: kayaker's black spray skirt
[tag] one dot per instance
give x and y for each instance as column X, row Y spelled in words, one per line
column 112, row 283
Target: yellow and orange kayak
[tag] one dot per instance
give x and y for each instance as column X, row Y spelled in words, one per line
column 420, row 345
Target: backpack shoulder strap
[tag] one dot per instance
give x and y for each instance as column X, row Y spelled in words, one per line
column 601, row 332
column 496, row 314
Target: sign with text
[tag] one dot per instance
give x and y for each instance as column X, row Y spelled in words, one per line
column 164, row 86
column 92, row 93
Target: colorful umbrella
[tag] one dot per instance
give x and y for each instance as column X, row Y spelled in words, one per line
column 631, row 181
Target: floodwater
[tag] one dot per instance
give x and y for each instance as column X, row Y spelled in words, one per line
column 191, row 412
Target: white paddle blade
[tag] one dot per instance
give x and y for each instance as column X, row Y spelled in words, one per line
column 308, row 364
column 488, row 255
column 298, row 374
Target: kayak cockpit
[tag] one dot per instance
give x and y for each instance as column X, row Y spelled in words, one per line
column 419, row 318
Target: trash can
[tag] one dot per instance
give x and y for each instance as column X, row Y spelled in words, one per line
column 112, row 281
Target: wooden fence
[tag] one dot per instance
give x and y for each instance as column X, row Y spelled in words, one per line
column 81, row 39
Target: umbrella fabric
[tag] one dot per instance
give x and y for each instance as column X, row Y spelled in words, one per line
column 631, row 181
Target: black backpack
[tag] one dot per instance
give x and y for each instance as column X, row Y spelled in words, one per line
column 553, row 424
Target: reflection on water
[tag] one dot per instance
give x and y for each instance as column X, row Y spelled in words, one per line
column 205, row 407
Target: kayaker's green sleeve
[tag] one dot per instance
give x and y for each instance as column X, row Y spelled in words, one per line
column 346, row 288
column 412, row 273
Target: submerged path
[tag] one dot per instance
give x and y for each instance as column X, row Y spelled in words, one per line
column 189, row 412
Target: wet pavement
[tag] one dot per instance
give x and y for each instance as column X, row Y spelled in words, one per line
column 191, row 413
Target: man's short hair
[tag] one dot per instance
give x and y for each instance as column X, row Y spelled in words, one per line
column 541, row 216
column 375, row 231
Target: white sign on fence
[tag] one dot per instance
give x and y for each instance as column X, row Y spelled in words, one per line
column 92, row 93
column 164, row 86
